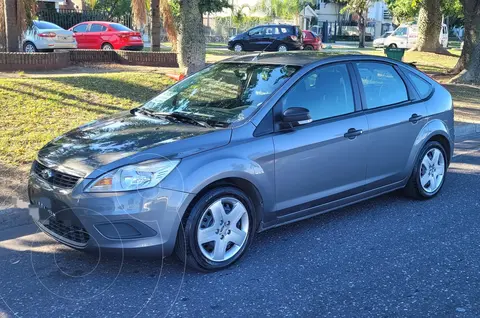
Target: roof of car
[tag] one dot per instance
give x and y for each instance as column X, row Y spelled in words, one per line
column 301, row 58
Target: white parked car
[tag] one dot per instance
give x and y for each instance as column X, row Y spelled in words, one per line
column 381, row 40
column 46, row 37
column 406, row 35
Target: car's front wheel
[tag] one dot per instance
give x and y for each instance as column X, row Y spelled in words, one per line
column 428, row 175
column 218, row 229
column 238, row 47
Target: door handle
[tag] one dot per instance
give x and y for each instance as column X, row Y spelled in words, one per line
column 415, row 118
column 352, row 133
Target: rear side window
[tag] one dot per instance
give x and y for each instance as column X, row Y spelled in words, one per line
column 119, row 27
column 97, row 28
column 422, row 86
column 381, row 84
column 80, row 28
column 43, row 25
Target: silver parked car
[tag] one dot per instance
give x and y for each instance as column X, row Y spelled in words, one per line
column 381, row 40
column 245, row 145
column 45, row 36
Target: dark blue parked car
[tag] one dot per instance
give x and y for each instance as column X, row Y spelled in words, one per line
column 276, row 37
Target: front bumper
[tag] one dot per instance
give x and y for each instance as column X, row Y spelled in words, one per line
column 143, row 222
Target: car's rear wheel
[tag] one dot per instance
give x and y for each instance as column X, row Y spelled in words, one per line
column 29, row 47
column 107, row 47
column 428, row 175
column 308, row 48
column 238, row 47
column 282, row 48
column 392, row 46
column 218, row 229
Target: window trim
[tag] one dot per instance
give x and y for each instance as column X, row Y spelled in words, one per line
column 92, row 24
column 411, row 93
column 80, row 24
column 277, row 111
column 404, row 71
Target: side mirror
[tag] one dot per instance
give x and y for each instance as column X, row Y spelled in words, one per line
column 296, row 115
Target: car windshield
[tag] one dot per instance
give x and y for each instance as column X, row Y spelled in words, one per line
column 223, row 93
column 43, row 25
column 119, row 27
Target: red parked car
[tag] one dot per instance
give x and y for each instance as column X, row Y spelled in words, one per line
column 106, row 36
column 311, row 41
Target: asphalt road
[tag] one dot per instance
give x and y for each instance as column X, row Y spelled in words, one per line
column 387, row 257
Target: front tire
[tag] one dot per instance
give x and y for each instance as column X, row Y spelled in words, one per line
column 217, row 231
column 238, row 47
column 428, row 175
column 308, row 48
column 393, row 46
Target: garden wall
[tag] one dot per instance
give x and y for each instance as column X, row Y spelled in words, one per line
column 56, row 60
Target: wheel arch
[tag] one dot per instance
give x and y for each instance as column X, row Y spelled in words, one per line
column 234, row 181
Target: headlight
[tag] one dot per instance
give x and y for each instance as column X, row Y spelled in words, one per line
column 144, row 175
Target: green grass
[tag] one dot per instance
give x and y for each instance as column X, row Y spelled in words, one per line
column 36, row 110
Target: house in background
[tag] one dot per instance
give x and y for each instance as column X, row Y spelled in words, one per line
column 61, row 4
column 379, row 19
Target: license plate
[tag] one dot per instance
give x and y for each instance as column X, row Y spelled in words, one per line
column 135, row 38
column 41, row 209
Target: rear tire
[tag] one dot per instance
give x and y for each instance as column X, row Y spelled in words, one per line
column 282, row 48
column 107, row 47
column 29, row 47
column 429, row 173
column 214, row 213
column 308, row 48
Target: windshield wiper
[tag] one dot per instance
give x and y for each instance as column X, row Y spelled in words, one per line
column 174, row 115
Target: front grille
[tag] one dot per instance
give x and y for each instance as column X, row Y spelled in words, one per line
column 55, row 177
column 71, row 232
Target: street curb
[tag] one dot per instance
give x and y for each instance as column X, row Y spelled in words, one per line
column 466, row 129
column 13, row 217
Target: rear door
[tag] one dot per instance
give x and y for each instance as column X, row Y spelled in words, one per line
column 94, row 36
column 395, row 119
column 80, row 31
column 324, row 160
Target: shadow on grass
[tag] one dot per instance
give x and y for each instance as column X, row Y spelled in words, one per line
column 114, row 87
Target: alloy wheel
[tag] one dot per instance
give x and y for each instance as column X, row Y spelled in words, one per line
column 432, row 170
column 238, row 48
column 223, row 229
column 282, row 48
column 30, row 48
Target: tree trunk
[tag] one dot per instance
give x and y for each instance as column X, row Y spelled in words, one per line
column 156, row 24
column 472, row 75
column 3, row 38
column 361, row 31
column 191, row 37
column 12, row 28
column 471, row 11
column 429, row 27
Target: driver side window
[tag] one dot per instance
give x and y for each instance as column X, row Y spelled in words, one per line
column 326, row 92
column 256, row 32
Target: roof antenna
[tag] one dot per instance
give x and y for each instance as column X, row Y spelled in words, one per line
column 255, row 58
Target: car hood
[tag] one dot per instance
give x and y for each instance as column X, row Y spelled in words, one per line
column 105, row 144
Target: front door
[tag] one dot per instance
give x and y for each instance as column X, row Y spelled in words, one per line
column 394, row 122
column 80, row 31
column 255, row 38
column 325, row 160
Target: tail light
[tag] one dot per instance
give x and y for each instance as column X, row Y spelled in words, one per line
column 47, row 34
column 294, row 37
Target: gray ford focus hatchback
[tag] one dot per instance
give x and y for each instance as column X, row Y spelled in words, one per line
column 242, row 146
